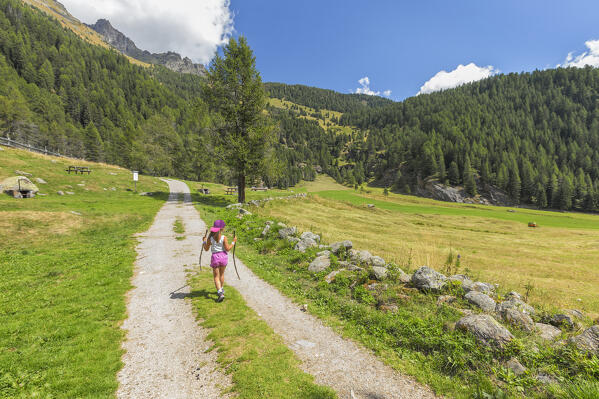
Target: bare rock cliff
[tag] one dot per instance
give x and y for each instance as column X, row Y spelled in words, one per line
column 171, row 60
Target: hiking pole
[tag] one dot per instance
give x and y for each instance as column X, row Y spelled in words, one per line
column 234, row 262
column 202, row 250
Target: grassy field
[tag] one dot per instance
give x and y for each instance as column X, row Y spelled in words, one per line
column 556, row 260
column 66, row 263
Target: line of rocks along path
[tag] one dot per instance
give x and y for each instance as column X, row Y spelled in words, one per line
column 334, row 361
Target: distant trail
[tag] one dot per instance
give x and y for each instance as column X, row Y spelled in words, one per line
column 335, row 362
column 165, row 345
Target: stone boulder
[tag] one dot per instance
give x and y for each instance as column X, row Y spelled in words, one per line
column 254, row 203
column 265, row 230
column 304, row 244
column 350, row 266
column 427, row 279
column 360, row 257
column 377, row 261
column 483, row 301
column 547, row 331
column 445, row 299
column 404, row 277
column 244, row 212
column 513, row 294
column 380, row 273
column 462, row 278
column 319, row 264
column 331, row 276
column 233, row 206
column 514, row 303
column 287, row 231
column 563, row 320
column 326, row 252
column 518, row 319
column 19, row 183
column 516, row 367
column 588, row 341
column 307, row 235
column 293, row 239
column 485, row 329
column 39, row 180
column 478, row 286
column 545, row 378
column 336, row 246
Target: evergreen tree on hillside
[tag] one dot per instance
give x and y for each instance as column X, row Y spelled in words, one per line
column 454, row 173
column 242, row 137
column 93, row 143
column 468, row 178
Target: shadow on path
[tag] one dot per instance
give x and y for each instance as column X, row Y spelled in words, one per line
column 194, row 294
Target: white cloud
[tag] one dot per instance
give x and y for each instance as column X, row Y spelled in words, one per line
column 365, row 88
column 590, row 57
column 462, row 74
column 193, row 28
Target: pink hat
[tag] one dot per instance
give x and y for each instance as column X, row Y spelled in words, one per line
column 217, row 226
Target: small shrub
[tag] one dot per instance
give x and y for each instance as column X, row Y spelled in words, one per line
column 364, row 296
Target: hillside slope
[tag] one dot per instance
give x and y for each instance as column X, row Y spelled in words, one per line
column 57, row 10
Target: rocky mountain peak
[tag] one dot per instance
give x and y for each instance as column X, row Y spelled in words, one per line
column 122, row 43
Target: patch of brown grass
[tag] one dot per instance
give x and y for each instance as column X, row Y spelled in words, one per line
column 29, row 225
column 560, row 263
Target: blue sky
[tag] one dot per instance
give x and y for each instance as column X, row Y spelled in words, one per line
column 400, row 45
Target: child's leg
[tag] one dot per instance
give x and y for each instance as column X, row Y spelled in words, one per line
column 217, row 278
column 222, row 275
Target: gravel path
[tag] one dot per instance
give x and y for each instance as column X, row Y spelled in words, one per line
column 341, row 364
column 165, row 347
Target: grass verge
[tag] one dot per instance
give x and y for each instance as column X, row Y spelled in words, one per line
column 260, row 363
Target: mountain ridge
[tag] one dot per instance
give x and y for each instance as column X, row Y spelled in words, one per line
column 125, row 45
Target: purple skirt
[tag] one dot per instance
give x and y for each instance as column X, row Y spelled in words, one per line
column 219, row 259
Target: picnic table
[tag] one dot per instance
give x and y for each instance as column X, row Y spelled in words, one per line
column 230, row 190
column 78, row 169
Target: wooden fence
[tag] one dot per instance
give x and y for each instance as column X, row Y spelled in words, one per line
column 15, row 144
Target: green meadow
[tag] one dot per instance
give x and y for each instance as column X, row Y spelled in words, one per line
column 66, row 262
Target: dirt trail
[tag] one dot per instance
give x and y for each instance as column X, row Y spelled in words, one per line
column 165, row 346
column 335, row 362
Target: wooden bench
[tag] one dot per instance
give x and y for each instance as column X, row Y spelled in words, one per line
column 78, row 169
column 230, row 190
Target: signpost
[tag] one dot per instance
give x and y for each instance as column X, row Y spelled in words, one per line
column 135, row 178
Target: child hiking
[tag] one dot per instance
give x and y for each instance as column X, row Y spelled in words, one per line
column 219, row 245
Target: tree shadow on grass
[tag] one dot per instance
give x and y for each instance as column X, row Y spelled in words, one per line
column 212, row 200
column 219, row 201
